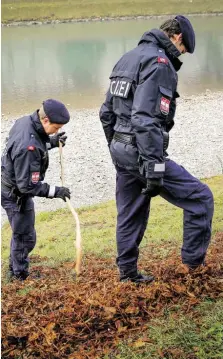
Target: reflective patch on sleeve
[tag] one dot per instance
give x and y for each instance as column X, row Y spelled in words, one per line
column 159, row 167
column 120, row 88
column 164, row 105
column 35, row 177
column 52, row 191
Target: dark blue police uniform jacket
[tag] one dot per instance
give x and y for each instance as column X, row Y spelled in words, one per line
column 141, row 102
column 25, row 158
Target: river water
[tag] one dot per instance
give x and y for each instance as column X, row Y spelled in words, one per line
column 72, row 62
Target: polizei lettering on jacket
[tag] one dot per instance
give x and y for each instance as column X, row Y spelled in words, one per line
column 120, row 88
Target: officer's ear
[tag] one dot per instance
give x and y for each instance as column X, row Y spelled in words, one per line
column 45, row 120
column 180, row 37
column 176, row 38
column 45, row 123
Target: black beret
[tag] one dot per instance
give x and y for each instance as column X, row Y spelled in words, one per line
column 56, row 111
column 188, row 35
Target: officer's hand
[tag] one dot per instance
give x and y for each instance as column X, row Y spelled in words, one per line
column 59, row 137
column 153, row 187
column 169, row 125
column 62, row 192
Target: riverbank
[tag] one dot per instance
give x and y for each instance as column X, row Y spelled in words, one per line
column 196, row 142
column 101, row 19
column 29, row 12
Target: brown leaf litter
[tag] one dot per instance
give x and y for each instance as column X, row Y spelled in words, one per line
column 58, row 316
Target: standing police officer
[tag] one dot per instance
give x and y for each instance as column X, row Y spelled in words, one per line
column 137, row 116
column 24, row 164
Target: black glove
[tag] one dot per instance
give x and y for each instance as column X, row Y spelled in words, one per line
column 62, row 192
column 54, row 140
column 153, row 187
column 169, row 125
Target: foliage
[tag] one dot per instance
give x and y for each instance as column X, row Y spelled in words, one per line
column 55, row 315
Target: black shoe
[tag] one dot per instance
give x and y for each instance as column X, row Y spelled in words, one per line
column 20, row 276
column 136, row 278
column 193, row 267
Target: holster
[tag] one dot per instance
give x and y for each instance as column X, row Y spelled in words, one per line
column 20, row 198
column 165, row 140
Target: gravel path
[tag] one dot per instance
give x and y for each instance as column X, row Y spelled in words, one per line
column 196, row 143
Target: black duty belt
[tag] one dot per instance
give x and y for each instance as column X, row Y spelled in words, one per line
column 131, row 140
column 124, row 138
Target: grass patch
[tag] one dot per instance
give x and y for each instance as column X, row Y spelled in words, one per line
column 41, row 10
column 198, row 335
column 24, row 291
column 56, row 230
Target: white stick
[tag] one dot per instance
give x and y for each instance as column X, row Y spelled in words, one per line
column 78, row 230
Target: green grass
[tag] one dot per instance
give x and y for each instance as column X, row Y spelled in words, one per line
column 27, row 10
column 177, row 335
column 56, row 230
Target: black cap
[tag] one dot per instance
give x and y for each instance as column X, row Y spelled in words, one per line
column 188, row 35
column 56, row 111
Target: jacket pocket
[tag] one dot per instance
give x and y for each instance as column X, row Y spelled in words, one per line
column 163, row 101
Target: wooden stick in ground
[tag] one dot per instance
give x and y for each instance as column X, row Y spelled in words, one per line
column 74, row 213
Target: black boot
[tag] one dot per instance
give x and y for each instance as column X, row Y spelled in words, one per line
column 20, row 276
column 193, row 267
column 135, row 277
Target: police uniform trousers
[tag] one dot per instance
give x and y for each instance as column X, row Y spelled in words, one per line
column 23, row 239
column 182, row 190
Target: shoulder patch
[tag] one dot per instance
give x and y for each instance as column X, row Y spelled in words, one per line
column 162, row 60
column 31, row 148
column 164, row 106
column 35, row 177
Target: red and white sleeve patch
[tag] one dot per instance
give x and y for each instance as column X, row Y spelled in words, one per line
column 35, row 177
column 31, row 148
column 164, row 105
column 162, row 60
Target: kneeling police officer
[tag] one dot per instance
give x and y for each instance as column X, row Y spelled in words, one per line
column 137, row 115
column 24, row 164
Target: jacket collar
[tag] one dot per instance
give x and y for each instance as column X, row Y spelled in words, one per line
column 39, row 127
column 161, row 39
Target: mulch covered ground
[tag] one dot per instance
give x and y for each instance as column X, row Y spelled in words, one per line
column 58, row 316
